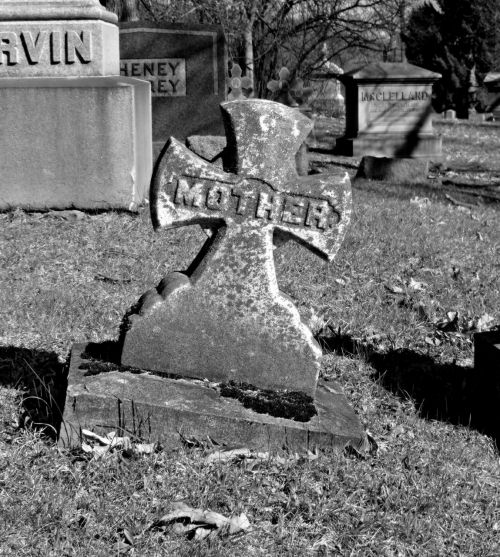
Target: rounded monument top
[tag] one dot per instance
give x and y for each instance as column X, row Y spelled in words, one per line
column 27, row 10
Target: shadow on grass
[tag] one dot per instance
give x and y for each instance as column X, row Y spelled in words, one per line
column 445, row 392
column 41, row 378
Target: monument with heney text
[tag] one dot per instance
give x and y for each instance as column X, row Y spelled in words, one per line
column 217, row 350
column 76, row 134
column 186, row 67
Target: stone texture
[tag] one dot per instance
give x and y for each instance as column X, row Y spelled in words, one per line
column 225, row 318
column 58, row 48
column 57, row 38
column 211, row 148
column 388, row 112
column 393, row 170
column 161, row 409
column 186, row 65
column 16, row 10
column 74, row 142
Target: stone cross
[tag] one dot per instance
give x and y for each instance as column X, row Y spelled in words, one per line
column 225, row 319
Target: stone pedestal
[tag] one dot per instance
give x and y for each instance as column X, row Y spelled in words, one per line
column 75, row 142
column 162, row 409
column 393, row 170
column 74, row 133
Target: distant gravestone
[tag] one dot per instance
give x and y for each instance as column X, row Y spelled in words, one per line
column 492, row 84
column 389, row 117
column 450, row 115
column 186, row 66
column 388, row 112
column 224, row 320
column 74, row 133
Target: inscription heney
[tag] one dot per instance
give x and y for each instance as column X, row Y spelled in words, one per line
column 247, row 199
column 166, row 75
column 55, row 46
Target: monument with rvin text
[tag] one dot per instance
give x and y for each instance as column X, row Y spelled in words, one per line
column 75, row 133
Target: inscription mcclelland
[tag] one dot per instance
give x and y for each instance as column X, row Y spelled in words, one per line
column 166, row 75
column 56, row 47
column 252, row 199
column 400, row 95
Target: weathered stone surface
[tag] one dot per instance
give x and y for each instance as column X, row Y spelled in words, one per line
column 75, row 142
column 186, row 66
column 393, row 170
column 15, row 10
column 208, row 147
column 57, row 38
column 225, row 318
column 162, row 409
column 388, row 112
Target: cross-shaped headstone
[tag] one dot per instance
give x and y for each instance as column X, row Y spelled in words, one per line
column 225, row 319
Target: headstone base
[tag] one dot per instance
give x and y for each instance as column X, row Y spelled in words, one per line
column 411, row 145
column 162, row 409
column 75, row 143
column 393, row 170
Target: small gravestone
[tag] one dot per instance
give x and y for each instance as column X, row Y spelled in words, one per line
column 224, row 320
column 388, row 118
column 492, row 83
column 74, row 133
column 186, row 67
column 450, row 115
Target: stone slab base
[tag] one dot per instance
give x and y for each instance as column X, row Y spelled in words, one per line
column 393, row 170
column 390, row 145
column 75, row 143
column 162, row 409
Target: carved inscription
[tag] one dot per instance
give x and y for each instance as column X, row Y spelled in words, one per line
column 246, row 200
column 54, row 47
column 166, row 75
column 402, row 101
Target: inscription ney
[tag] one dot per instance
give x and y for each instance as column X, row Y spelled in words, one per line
column 166, row 75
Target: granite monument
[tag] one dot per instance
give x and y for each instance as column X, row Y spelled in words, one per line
column 75, row 133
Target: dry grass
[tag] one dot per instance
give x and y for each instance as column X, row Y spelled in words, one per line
column 431, row 489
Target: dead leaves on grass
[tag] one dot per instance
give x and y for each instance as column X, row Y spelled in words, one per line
column 100, row 446
column 198, row 524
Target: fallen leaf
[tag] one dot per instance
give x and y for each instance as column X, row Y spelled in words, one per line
column 238, row 523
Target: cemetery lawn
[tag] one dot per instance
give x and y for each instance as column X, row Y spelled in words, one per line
column 395, row 314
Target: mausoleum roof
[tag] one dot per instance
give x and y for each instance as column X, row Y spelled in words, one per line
column 28, row 10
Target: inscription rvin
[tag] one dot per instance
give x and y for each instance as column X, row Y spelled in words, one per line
column 243, row 203
column 56, row 47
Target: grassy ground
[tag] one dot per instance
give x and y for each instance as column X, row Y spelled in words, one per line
column 395, row 314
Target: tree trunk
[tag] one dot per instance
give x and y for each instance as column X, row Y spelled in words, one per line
column 248, row 37
column 130, row 10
